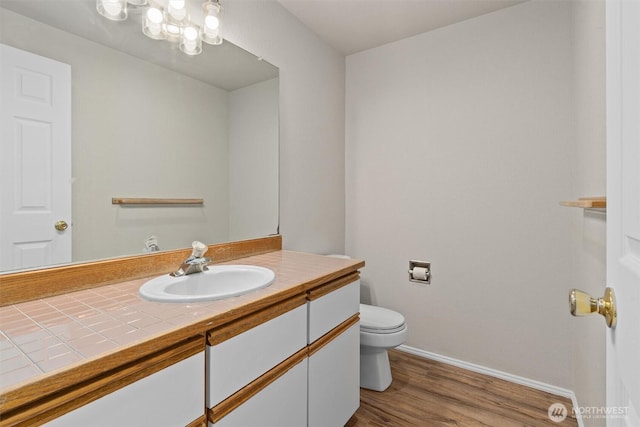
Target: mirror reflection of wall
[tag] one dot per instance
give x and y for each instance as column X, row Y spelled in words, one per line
column 144, row 130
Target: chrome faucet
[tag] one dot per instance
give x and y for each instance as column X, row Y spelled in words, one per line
column 196, row 263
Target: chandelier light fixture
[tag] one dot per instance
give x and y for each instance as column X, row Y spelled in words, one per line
column 169, row 20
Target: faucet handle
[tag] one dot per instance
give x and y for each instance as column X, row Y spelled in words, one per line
column 199, row 249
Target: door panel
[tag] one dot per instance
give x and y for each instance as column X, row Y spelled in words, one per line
column 35, row 166
column 623, row 209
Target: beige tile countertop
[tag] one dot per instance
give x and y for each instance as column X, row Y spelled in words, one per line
column 46, row 337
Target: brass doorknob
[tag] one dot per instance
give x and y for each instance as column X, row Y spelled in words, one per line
column 582, row 304
column 61, row 225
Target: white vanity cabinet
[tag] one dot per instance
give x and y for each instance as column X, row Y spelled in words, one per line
column 299, row 368
column 173, row 396
column 259, row 376
column 334, row 355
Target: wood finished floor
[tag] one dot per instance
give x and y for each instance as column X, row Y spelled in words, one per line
column 429, row 393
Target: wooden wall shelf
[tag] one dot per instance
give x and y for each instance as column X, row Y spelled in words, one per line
column 588, row 203
column 151, row 201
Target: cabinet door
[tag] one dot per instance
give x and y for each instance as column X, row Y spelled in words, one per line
column 171, row 397
column 334, row 380
column 283, row 403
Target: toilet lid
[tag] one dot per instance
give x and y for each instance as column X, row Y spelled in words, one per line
column 378, row 319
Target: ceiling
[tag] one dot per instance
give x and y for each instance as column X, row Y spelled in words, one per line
column 351, row 26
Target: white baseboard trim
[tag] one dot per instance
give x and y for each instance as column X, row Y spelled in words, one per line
column 559, row 391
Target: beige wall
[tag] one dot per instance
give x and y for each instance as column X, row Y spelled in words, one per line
column 588, row 178
column 457, row 144
column 312, row 85
column 253, row 152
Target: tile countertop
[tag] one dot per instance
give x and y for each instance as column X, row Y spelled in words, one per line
column 46, row 336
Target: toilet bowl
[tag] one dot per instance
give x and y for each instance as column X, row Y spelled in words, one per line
column 380, row 330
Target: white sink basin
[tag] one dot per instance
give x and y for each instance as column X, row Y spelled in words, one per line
column 220, row 281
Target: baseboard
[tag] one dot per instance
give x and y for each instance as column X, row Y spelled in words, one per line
column 559, row 391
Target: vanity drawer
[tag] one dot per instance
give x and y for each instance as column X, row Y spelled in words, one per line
column 235, row 362
column 172, row 396
column 283, row 403
column 328, row 311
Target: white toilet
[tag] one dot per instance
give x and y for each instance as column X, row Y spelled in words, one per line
column 380, row 330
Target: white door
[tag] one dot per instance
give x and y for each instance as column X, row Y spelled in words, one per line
column 623, row 209
column 35, row 160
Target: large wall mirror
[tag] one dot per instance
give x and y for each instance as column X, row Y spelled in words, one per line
column 146, row 121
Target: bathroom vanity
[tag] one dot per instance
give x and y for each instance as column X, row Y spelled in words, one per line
column 285, row 355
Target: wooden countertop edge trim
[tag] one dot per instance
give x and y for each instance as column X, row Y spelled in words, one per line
column 53, row 281
column 223, row 408
column 324, row 289
column 23, row 394
column 48, row 407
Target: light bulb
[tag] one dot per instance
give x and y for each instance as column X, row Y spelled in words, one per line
column 177, row 9
column 154, row 16
column 190, row 33
column 190, row 42
column 112, row 7
column 212, row 28
column 152, row 24
column 211, row 22
column 116, row 10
